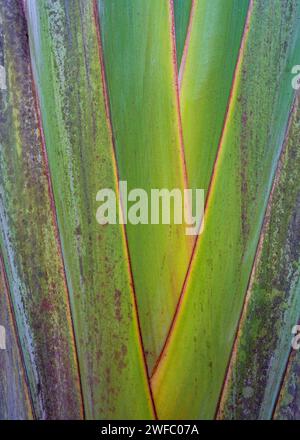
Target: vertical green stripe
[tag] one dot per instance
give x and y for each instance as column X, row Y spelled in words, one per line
column 141, row 78
column 65, row 54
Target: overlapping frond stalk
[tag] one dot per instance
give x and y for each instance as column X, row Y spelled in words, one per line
column 15, row 402
column 272, row 305
column 66, row 56
column 94, row 96
column 29, row 238
column 206, row 77
column 141, row 76
column 203, row 333
column 288, row 407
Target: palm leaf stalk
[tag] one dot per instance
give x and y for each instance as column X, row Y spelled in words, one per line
column 263, row 346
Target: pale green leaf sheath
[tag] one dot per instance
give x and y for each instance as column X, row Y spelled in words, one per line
column 29, row 239
column 182, row 13
column 206, row 76
column 139, row 57
column 14, row 394
column 188, row 380
column 273, row 298
column 66, row 56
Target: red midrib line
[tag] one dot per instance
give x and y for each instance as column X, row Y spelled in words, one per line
column 210, row 188
column 187, row 43
column 56, row 229
column 114, row 155
column 176, row 80
column 257, row 256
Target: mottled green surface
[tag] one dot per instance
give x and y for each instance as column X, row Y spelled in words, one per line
column 274, row 303
column 182, row 10
column 207, row 76
column 28, row 234
column 288, row 407
column 65, row 55
column 93, row 97
column 204, row 331
column 141, row 77
column 14, row 395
